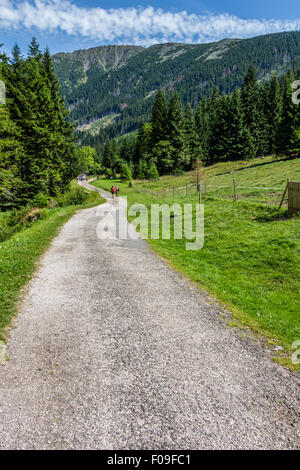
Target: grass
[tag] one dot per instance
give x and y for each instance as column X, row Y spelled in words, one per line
column 20, row 253
column 254, row 178
column 251, row 255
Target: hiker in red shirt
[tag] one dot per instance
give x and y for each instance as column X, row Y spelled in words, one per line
column 113, row 190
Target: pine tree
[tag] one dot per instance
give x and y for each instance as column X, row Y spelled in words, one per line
column 163, row 156
column 108, row 157
column 176, row 134
column 62, row 161
column 202, row 120
column 126, row 174
column 153, row 172
column 143, row 142
column 159, row 118
column 288, row 125
column 192, row 141
column 141, row 170
column 238, row 140
column 218, row 146
column 293, row 149
column 264, row 142
column 273, row 113
column 249, row 100
column 10, row 155
column 34, row 51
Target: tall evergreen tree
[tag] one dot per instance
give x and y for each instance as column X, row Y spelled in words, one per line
column 250, row 108
column 218, row 150
column 159, row 118
column 238, row 142
column 202, row 120
column 11, row 153
column 143, row 142
column 176, row 134
column 288, row 121
column 108, row 157
column 273, row 106
column 192, row 140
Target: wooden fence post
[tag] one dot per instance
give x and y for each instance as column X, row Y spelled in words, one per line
column 234, row 190
column 286, row 188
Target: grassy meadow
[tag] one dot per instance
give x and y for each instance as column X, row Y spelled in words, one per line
column 251, row 255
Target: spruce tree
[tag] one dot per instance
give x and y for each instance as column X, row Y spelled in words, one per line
column 143, row 142
column 218, row 145
column 153, row 172
column 192, row 141
column 238, row 140
column 273, row 106
column 108, row 157
column 11, row 153
column 250, row 109
column 176, row 134
column 163, row 156
column 159, row 118
column 202, row 120
column 287, row 129
column 141, row 170
column 126, row 174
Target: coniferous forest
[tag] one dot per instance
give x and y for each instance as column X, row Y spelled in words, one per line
column 38, row 156
column 255, row 120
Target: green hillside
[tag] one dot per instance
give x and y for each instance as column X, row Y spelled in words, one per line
column 123, row 79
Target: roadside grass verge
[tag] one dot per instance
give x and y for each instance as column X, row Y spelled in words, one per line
column 250, row 260
column 20, row 253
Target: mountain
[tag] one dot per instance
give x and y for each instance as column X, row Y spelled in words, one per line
column 109, row 90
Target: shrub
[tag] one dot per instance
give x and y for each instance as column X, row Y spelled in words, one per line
column 75, row 196
column 5, row 232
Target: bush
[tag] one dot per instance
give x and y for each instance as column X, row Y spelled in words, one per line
column 16, row 216
column 76, row 196
column 5, row 232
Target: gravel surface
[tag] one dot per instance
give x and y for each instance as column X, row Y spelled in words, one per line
column 112, row 349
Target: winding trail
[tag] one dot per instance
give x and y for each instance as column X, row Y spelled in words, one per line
column 113, row 349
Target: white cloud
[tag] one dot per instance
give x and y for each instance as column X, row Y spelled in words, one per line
column 133, row 25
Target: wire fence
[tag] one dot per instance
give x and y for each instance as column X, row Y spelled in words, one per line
column 270, row 195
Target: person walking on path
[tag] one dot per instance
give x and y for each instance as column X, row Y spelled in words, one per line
column 113, row 190
column 117, row 191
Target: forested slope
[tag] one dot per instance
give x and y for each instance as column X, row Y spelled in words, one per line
column 121, row 81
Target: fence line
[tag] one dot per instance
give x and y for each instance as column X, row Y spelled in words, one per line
column 189, row 188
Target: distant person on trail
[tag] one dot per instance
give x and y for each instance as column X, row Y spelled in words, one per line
column 113, row 190
column 117, row 191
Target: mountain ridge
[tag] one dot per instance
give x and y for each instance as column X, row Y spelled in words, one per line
column 121, row 80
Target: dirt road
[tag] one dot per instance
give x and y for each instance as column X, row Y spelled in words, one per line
column 112, row 349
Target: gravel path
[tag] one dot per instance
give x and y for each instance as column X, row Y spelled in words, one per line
column 112, row 349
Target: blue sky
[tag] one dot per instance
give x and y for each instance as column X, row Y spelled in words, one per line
column 67, row 25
